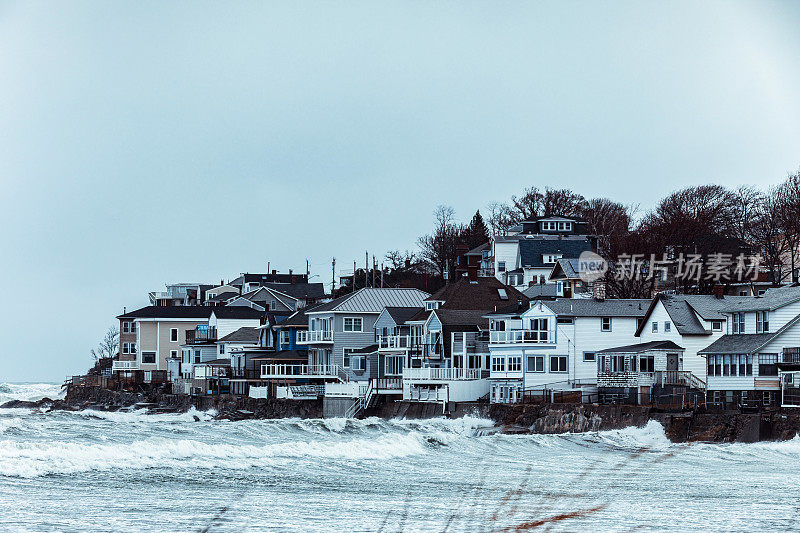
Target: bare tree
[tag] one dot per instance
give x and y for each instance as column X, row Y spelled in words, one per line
column 439, row 249
column 108, row 347
column 552, row 202
column 501, row 218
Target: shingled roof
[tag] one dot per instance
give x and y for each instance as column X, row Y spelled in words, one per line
column 735, row 344
column 532, row 250
column 643, row 347
column 485, row 294
column 171, row 311
column 245, row 335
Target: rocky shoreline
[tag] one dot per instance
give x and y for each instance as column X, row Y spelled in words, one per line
column 686, row 426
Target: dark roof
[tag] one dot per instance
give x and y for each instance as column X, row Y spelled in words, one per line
column 401, row 314
column 269, row 278
column 171, row 311
column 305, row 291
column 236, row 311
column 643, row 347
column 738, row 344
column 461, row 317
column 421, row 316
column 532, row 250
column 681, row 308
column 483, row 294
column 300, row 318
column 772, row 299
column 547, row 290
column 248, row 335
column 372, row 348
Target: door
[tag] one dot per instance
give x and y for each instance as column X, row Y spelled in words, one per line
column 672, row 361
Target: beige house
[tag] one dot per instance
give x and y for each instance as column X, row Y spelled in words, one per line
column 160, row 331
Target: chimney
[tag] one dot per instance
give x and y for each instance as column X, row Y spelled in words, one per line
column 599, row 290
column 531, row 283
column 274, row 272
column 472, row 274
column 719, row 291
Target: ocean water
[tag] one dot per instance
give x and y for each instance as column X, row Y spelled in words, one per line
column 72, row 471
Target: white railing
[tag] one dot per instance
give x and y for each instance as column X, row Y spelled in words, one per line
column 394, row 342
column 315, row 335
column 523, row 336
column 441, row 374
column 202, row 371
column 298, row 370
column 124, row 365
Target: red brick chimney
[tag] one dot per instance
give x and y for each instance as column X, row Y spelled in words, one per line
column 719, row 291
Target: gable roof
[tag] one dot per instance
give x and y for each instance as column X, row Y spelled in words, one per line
column 531, row 250
column 171, row 311
column 546, row 290
column 401, row 314
column 483, row 294
column 643, row 347
column 300, row 317
column 462, row 317
column 478, row 250
column 683, row 310
column 373, row 300
column 246, row 335
column 774, row 298
column 305, row 291
column 223, row 296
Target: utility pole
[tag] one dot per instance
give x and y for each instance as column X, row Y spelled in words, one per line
column 382, row 270
column 366, row 269
column 308, row 271
column 333, row 275
column 374, row 267
column 354, row 277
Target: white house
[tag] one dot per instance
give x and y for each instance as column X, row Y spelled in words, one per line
column 554, row 343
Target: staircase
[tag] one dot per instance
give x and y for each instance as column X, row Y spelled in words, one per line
column 362, row 402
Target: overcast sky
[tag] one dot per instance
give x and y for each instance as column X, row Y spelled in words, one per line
column 144, row 143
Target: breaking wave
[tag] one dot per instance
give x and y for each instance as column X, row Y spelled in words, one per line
column 30, row 392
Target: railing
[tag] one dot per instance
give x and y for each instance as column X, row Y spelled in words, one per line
column 294, row 371
column 790, row 355
column 485, row 272
column 201, row 335
column 314, row 335
column 522, row 336
column 679, row 377
column 441, row 374
column 624, row 379
column 245, row 373
column 393, row 384
column 202, row 371
column 394, row 342
column 124, row 365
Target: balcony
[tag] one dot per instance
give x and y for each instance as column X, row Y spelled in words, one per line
column 398, row 342
column 625, row 379
column 486, row 273
column 124, row 365
column 523, row 336
column 303, row 371
column 442, row 374
column 199, row 336
column 245, row 373
column 202, row 371
column 314, row 336
column 791, row 356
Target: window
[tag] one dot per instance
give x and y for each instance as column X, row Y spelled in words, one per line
column 549, row 259
column 197, row 357
column 767, row 364
column 655, row 327
column 647, row 363
column 173, row 334
column 148, row 357
column 762, row 321
column 605, row 323
column 737, row 323
column 285, row 339
column 589, row 356
column 566, row 320
column 124, row 347
column 125, row 327
column 501, row 266
column 273, row 305
column 498, row 364
column 132, row 347
column 762, row 292
column 358, row 363
column 515, row 363
column 539, row 329
column 535, row 363
column 716, row 325
column 726, row 365
column 173, row 354
column 430, row 306
column 548, row 226
column 347, row 357
column 558, row 363
column 667, row 326
column 743, row 366
column 353, row 324
column 221, row 349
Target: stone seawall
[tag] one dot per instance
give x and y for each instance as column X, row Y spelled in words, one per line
column 686, row 426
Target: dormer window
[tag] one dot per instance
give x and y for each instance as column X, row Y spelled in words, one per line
column 737, row 323
column 549, row 259
column 430, row 306
column 548, row 226
column 762, row 321
column 565, row 226
column 716, row 325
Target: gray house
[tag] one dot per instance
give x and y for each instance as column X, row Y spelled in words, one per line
column 341, row 333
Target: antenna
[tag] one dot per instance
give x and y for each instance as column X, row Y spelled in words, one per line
column 333, row 275
column 366, row 270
